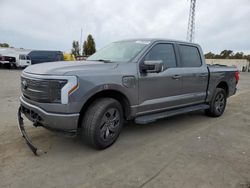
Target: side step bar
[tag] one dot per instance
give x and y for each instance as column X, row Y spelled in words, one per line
column 144, row 119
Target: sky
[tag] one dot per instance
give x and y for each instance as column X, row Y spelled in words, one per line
column 54, row 24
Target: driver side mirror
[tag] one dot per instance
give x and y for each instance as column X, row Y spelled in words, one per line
column 152, row 66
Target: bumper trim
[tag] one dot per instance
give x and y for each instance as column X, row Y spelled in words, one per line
column 34, row 149
column 47, row 113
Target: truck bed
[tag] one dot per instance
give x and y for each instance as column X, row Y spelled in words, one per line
column 222, row 74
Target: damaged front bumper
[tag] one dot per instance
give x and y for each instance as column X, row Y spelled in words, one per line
column 24, row 134
column 65, row 124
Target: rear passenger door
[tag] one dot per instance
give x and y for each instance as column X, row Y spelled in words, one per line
column 194, row 74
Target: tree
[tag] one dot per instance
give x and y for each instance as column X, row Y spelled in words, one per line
column 75, row 48
column 4, row 45
column 239, row 55
column 217, row 56
column 89, row 46
column 247, row 57
column 209, row 55
column 84, row 48
column 226, row 54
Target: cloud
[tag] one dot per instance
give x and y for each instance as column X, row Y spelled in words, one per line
column 55, row 24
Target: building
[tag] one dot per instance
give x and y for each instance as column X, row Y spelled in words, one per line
column 241, row 64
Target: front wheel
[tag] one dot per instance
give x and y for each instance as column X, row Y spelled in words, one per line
column 102, row 123
column 218, row 103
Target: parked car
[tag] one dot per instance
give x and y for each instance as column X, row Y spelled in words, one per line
column 142, row 80
column 68, row 57
column 81, row 57
column 41, row 56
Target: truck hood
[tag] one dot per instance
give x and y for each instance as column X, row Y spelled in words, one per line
column 63, row 67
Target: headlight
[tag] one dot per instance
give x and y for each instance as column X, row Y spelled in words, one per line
column 55, row 87
column 48, row 89
column 68, row 88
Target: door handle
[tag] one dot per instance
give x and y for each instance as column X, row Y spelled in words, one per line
column 176, row 77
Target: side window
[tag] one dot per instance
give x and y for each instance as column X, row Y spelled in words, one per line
column 22, row 57
column 164, row 52
column 190, row 56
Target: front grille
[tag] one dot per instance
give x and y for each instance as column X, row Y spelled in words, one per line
column 42, row 90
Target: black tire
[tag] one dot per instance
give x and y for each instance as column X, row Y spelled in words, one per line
column 218, row 103
column 102, row 123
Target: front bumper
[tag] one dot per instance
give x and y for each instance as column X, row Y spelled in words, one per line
column 24, row 134
column 54, row 121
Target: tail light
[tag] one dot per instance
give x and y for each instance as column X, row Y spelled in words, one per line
column 237, row 76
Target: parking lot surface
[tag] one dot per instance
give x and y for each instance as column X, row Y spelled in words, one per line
column 190, row 150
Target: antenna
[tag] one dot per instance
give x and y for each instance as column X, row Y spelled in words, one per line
column 191, row 22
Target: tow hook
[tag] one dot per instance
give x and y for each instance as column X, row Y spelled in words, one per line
column 34, row 149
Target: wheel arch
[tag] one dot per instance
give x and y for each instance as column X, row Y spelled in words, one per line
column 223, row 85
column 110, row 93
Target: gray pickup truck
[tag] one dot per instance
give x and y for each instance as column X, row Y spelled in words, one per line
column 142, row 80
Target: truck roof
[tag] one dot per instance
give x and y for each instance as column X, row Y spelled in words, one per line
column 151, row 40
column 13, row 51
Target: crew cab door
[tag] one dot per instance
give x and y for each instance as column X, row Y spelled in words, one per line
column 158, row 91
column 194, row 74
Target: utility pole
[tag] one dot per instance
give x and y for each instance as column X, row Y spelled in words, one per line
column 191, row 22
column 80, row 45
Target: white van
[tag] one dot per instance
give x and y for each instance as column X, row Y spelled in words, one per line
column 22, row 60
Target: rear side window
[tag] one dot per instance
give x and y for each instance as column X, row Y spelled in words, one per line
column 164, row 52
column 190, row 56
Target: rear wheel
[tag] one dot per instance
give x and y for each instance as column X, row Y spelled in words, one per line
column 218, row 103
column 102, row 123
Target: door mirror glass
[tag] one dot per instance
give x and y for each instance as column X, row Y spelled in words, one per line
column 151, row 66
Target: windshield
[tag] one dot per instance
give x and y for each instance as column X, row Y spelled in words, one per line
column 119, row 51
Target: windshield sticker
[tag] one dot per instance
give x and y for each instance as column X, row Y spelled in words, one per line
column 142, row 42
